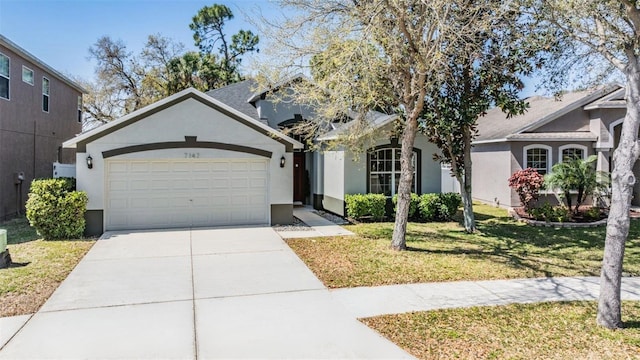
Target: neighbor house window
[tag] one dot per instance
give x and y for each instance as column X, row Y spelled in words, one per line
column 45, row 94
column 27, row 75
column 537, row 157
column 572, row 151
column 384, row 171
column 79, row 108
column 4, row 76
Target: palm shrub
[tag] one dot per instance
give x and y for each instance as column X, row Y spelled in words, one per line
column 576, row 175
column 55, row 209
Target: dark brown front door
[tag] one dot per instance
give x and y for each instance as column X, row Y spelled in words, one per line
column 298, row 177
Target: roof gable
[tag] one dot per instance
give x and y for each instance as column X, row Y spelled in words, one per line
column 494, row 125
column 83, row 139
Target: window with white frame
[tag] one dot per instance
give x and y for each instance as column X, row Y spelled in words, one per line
column 4, row 76
column 27, row 75
column 571, row 152
column 80, row 108
column 384, row 171
column 45, row 94
column 538, row 157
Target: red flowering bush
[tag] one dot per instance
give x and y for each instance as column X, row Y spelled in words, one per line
column 527, row 183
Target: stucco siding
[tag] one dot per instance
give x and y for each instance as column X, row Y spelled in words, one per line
column 491, row 166
column 276, row 112
column 576, row 120
column 334, row 163
column 187, row 118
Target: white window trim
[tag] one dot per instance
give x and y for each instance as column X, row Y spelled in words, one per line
column 33, row 76
column 394, row 171
column 80, row 103
column 537, row 146
column 48, row 95
column 7, row 77
column 572, row 146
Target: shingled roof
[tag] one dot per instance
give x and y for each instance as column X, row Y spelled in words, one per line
column 495, row 126
column 237, row 96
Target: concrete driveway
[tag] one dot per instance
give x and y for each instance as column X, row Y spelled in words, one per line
column 188, row 294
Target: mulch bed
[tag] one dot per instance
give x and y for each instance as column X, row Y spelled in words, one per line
column 576, row 218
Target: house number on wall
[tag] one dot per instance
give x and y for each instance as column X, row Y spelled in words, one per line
column 191, row 155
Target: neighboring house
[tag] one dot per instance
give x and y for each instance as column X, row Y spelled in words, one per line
column 578, row 124
column 220, row 158
column 39, row 109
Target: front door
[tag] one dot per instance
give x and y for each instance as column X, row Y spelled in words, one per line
column 298, row 177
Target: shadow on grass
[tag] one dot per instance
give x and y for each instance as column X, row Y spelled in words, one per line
column 633, row 324
column 19, row 231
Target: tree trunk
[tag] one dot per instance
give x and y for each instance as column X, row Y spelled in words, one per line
column 398, row 241
column 465, row 185
column 622, row 180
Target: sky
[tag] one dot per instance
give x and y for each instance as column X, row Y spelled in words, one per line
column 60, row 32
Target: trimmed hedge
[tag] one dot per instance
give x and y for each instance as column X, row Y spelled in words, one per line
column 365, row 205
column 413, row 205
column 425, row 207
column 439, row 207
column 55, row 209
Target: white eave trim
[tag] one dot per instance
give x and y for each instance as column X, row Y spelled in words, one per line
column 341, row 131
column 492, row 141
column 73, row 142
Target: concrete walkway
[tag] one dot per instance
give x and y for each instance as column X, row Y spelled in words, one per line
column 201, row 294
column 321, row 226
column 395, row 299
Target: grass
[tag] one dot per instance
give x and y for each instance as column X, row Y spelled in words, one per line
column 39, row 267
column 534, row 331
column 501, row 249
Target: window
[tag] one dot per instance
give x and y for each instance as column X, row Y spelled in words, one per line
column 45, row 94
column 80, row 108
column 572, row 151
column 537, row 157
column 384, row 171
column 4, row 76
column 27, row 75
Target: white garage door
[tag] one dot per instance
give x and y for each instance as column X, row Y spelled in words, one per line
column 146, row 194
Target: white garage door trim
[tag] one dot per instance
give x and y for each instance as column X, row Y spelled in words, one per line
column 180, row 193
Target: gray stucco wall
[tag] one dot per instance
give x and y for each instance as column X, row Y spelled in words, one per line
column 491, row 166
column 576, row 120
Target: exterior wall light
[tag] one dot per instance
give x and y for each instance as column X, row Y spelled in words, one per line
column 89, row 162
column 282, row 161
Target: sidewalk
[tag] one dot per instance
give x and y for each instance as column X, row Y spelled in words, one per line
column 321, row 226
column 395, row 299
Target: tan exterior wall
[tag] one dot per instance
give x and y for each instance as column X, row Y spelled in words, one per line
column 30, row 137
column 576, row 120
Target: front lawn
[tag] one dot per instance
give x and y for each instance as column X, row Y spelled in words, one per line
column 39, row 267
column 534, row 331
column 501, row 249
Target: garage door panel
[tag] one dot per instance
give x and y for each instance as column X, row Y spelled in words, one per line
column 186, row 192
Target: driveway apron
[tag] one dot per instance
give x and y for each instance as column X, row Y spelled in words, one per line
column 194, row 294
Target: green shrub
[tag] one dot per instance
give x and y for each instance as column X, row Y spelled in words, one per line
column 439, row 207
column 364, row 205
column 413, row 205
column 55, row 209
column 548, row 212
column 593, row 213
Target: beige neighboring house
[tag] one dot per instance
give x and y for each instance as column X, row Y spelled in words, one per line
column 39, row 109
column 578, row 124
